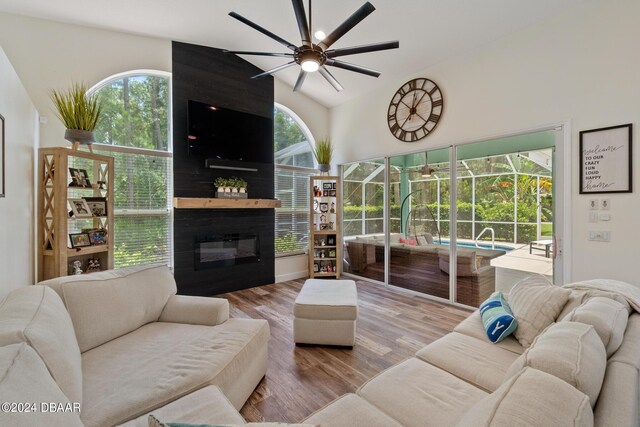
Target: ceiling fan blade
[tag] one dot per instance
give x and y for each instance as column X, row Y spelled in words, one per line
column 364, row 11
column 242, row 52
column 352, row 67
column 301, row 77
column 262, row 30
column 273, row 70
column 327, row 75
column 332, row 53
column 298, row 8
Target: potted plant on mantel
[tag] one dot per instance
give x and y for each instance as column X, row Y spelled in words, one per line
column 231, row 188
column 323, row 153
column 79, row 112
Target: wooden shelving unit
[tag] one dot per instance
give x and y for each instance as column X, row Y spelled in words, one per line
column 203, row 203
column 54, row 222
column 325, row 236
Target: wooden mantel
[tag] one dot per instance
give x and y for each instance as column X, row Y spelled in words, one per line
column 202, row 203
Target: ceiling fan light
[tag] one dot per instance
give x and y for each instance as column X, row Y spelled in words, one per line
column 310, row 65
column 319, row 35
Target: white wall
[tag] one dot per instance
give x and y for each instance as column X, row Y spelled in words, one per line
column 17, row 207
column 49, row 55
column 580, row 67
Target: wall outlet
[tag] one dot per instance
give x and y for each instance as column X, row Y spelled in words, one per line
column 599, row 236
column 605, row 217
column 593, row 204
column 605, row 204
column 593, row 216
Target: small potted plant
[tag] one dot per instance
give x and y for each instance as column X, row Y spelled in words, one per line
column 242, row 185
column 220, row 183
column 79, row 112
column 233, row 183
column 323, row 153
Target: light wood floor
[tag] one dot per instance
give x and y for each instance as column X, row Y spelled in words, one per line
column 391, row 327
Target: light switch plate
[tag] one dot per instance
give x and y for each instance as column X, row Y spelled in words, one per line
column 593, row 204
column 605, row 217
column 599, row 236
column 605, row 204
column 593, row 216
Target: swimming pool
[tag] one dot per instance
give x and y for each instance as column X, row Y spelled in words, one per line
column 482, row 245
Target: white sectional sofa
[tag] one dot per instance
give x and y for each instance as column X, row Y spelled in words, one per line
column 582, row 370
column 121, row 344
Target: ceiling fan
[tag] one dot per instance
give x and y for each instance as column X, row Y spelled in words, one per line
column 316, row 57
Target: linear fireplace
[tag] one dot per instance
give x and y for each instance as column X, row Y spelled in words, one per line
column 226, row 250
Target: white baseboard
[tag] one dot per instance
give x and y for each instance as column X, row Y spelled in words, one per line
column 292, row 276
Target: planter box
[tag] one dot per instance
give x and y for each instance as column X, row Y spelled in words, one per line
column 225, row 195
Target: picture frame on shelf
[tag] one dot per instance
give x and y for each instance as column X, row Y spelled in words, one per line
column 93, row 265
column 332, row 193
column 80, row 208
column 325, row 193
column 324, row 226
column 97, row 205
column 79, row 178
column 97, row 237
column 326, row 186
column 79, row 240
column 324, row 207
column 331, row 240
column 84, row 176
column 333, row 186
column 316, row 268
column 75, row 177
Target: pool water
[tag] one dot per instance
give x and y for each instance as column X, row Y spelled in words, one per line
column 482, row 245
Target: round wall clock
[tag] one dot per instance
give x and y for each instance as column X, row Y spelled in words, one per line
column 415, row 109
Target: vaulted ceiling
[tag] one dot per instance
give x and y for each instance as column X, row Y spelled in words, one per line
column 429, row 31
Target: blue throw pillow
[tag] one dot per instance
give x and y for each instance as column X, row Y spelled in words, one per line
column 497, row 318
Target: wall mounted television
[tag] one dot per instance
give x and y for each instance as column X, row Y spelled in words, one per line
column 222, row 134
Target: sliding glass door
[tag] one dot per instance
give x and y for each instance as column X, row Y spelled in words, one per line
column 454, row 230
column 363, row 219
column 419, row 221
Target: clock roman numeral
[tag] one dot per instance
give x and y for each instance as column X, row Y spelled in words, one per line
column 434, row 118
column 394, row 128
column 412, row 85
column 391, row 117
column 433, row 90
column 402, row 134
column 413, row 136
column 437, row 103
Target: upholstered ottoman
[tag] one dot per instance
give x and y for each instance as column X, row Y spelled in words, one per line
column 325, row 312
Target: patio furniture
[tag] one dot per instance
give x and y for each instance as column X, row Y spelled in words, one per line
column 546, row 247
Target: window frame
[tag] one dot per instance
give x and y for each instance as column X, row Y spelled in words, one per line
column 311, row 171
column 146, row 151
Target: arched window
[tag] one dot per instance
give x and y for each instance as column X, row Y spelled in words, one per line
column 135, row 130
column 294, row 163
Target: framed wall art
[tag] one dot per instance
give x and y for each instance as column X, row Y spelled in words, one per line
column 605, row 160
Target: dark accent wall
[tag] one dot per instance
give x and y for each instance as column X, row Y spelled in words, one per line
column 208, row 75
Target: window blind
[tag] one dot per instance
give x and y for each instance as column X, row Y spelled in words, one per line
column 292, row 218
column 142, row 205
